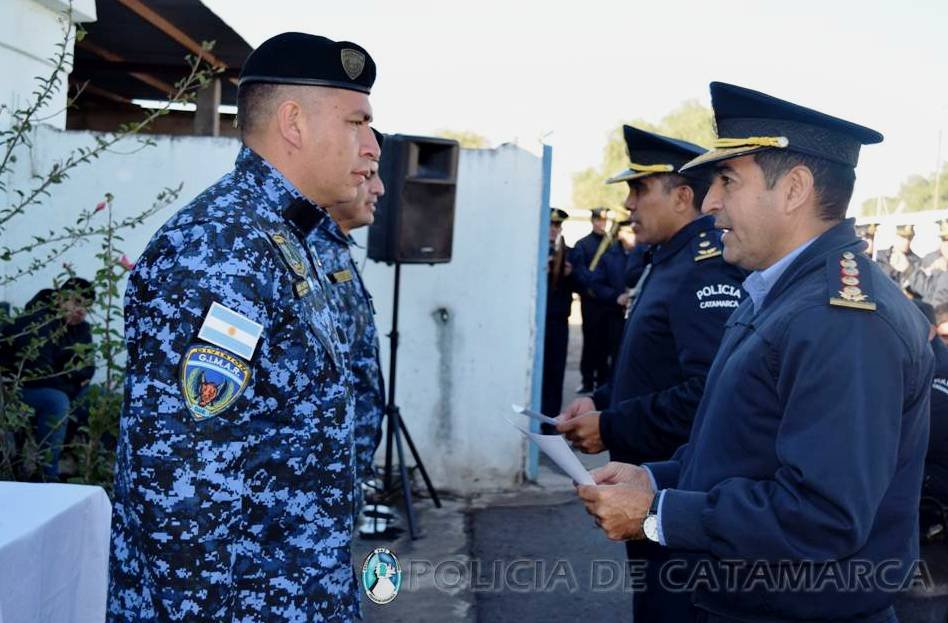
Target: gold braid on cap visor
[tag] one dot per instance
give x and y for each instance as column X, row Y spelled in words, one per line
column 752, row 141
column 652, row 168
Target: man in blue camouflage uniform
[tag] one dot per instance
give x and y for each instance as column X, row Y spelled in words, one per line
column 672, row 333
column 235, row 463
column 332, row 242
column 796, row 497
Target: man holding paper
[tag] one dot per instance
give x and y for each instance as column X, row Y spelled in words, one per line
column 797, row 493
column 673, row 331
column 676, row 322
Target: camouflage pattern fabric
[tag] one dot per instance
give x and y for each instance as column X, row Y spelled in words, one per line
column 245, row 515
column 357, row 314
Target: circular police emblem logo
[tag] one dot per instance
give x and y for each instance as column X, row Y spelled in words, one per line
column 381, row 576
column 211, row 380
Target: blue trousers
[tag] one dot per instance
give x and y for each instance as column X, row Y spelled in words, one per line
column 52, row 410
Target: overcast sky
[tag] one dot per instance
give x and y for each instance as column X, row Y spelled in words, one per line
column 516, row 70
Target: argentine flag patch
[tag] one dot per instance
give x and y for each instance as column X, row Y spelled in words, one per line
column 231, row 331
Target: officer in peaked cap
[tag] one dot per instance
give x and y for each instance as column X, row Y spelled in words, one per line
column 594, row 363
column 559, row 302
column 867, row 233
column 672, row 332
column 806, row 454
column 235, row 469
column 899, row 262
column 930, row 279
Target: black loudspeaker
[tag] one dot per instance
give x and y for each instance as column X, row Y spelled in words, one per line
column 414, row 219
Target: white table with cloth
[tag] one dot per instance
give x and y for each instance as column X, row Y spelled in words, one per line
column 54, row 553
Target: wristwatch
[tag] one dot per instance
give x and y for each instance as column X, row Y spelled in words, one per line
column 650, row 523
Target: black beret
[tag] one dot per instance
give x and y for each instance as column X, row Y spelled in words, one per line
column 299, row 58
column 557, row 215
column 651, row 153
column 598, row 213
column 749, row 121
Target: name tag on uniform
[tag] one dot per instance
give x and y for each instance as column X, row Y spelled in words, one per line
column 341, row 276
column 231, row 331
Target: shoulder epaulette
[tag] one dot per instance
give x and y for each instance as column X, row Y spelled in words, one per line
column 850, row 283
column 705, row 246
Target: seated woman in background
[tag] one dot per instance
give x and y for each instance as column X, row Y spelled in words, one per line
column 52, row 342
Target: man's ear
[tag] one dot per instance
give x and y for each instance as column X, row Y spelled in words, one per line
column 798, row 188
column 684, row 199
column 291, row 121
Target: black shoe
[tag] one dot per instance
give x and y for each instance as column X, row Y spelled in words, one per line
column 585, row 389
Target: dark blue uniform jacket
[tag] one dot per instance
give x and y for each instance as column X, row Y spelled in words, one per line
column 668, row 344
column 807, row 449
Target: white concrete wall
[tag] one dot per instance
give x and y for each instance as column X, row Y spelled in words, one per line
column 30, row 30
column 456, row 378
column 134, row 180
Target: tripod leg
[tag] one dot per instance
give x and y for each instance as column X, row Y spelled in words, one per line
column 406, row 484
column 421, row 466
column 389, row 431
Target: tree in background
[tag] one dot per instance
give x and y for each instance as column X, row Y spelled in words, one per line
column 465, row 138
column 690, row 121
column 916, row 193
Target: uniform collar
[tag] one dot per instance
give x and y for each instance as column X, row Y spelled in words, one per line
column 838, row 238
column 286, row 203
column 332, row 230
column 664, row 251
column 759, row 283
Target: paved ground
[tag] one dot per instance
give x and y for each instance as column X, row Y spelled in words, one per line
column 534, row 555
column 523, row 556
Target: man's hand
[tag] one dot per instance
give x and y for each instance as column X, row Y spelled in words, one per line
column 583, row 433
column 623, row 299
column 614, row 473
column 583, row 404
column 619, row 509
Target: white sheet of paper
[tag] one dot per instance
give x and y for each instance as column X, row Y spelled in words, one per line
column 555, row 447
column 533, row 414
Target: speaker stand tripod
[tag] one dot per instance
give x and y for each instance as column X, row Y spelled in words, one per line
column 396, row 428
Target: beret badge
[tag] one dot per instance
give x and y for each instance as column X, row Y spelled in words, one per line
column 353, row 62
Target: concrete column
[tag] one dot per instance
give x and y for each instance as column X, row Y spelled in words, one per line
column 206, row 118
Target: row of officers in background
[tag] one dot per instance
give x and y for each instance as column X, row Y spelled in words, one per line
column 774, row 398
column 923, row 278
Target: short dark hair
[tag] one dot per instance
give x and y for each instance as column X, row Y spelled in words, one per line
column 832, row 181
column 254, row 103
column 77, row 286
column 699, row 185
